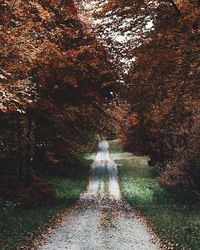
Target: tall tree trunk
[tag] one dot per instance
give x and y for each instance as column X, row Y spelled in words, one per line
column 19, row 135
column 29, row 152
column 39, row 152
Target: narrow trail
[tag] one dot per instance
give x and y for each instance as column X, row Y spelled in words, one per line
column 101, row 219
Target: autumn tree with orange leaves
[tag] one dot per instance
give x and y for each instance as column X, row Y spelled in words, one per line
column 55, row 85
column 162, row 88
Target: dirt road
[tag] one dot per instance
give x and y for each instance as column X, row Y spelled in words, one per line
column 101, row 220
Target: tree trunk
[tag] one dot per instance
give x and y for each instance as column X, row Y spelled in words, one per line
column 19, row 135
column 29, row 150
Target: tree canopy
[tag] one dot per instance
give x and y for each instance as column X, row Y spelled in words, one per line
column 134, row 70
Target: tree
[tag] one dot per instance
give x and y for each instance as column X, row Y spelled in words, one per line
column 55, row 83
column 161, row 85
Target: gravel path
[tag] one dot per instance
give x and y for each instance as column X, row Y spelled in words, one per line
column 101, row 219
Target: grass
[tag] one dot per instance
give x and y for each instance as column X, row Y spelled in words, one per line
column 175, row 220
column 17, row 223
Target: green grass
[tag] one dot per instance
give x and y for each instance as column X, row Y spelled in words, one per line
column 175, row 220
column 17, row 223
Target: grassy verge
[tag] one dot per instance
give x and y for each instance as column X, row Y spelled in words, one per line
column 17, row 223
column 175, row 220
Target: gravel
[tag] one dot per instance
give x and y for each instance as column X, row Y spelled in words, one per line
column 102, row 219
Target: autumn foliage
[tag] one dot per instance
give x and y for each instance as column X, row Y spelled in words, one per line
column 55, row 79
column 163, row 89
column 60, row 88
column 158, row 66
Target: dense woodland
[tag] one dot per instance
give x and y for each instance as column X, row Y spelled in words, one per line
column 55, row 86
column 161, row 87
column 60, row 90
column 165, row 119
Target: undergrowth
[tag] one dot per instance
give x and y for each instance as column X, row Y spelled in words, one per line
column 16, row 223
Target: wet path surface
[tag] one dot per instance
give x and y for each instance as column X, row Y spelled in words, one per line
column 101, row 219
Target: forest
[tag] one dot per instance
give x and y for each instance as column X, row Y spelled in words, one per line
column 74, row 72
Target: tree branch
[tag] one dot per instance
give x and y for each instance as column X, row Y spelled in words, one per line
column 175, row 6
column 13, row 5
